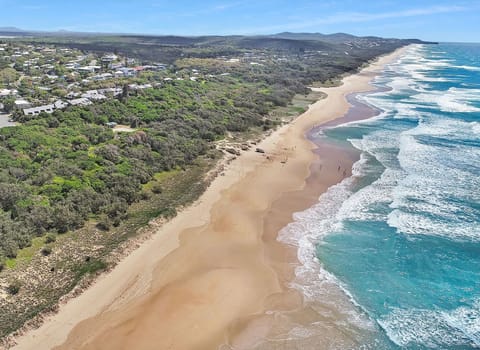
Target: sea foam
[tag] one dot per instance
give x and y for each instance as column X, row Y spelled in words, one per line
column 390, row 237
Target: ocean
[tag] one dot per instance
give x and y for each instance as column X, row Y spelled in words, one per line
column 393, row 252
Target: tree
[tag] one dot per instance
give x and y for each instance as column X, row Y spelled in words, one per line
column 60, row 70
column 8, row 76
column 8, row 104
column 125, row 93
column 9, row 195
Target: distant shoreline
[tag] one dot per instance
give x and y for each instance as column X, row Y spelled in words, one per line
column 218, row 245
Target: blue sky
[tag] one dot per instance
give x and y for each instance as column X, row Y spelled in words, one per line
column 439, row 20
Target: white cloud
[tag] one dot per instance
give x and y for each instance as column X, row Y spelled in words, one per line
column 227, row 5
column 349, row 17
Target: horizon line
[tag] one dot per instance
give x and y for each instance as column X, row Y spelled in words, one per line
column 14, row 29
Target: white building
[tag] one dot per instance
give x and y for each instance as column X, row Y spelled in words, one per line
column 103, row 76
column 7, row 92
column 89, row 69
column 93, row 95
column 60, row 104
column 109, row 58
column 22, row 104
column 37, row 110
column 72, row 94
column 111, row 91
column 80, row 102
column 128, row 72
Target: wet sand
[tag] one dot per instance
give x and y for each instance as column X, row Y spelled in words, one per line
column 204, row 275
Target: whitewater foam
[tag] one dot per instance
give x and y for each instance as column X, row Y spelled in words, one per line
column 452, row 100
column 434, row 329
column 414, row 191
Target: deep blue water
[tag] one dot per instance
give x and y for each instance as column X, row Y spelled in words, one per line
column 402, row 235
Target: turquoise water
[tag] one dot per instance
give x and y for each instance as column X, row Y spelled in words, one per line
column 401, row 237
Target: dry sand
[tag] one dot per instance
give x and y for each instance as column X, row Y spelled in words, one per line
column 194, row 284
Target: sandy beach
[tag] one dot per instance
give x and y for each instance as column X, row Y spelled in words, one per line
column 199, row 281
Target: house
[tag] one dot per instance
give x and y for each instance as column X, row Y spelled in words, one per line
column 80, row 102
column 52, row 77
column 93, row 95
column 98, row 77
column 72, row 94
column 37, row 110
column 103, row 76
column 139, row 68
column 72, row 65
column 128, row 72
column 112, row 91
column 47, row 66
column 88, row 69
column 60, row 104
column 139, row 87
column 7, row 92
column 49, row 50
column 109, row 58
column 22, row 104
column 111, row 124
column 114, row 66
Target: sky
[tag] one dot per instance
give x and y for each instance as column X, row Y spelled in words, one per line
column 438, row 20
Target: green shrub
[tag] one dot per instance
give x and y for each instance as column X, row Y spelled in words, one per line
column 157, row 188
column 14, row 287
column 104, row 223
column 169, row 212
column 46, row 251
column 50, row 238
column 91, row 266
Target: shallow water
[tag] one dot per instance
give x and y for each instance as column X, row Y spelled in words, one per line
column 396, row 247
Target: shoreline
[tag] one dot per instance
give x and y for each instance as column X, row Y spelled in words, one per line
column 250, row 332
column 217, row 244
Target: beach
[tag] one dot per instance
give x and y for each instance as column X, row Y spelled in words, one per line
column 207, row 277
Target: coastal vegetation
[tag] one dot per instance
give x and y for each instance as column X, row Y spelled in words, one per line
column 73, row 189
